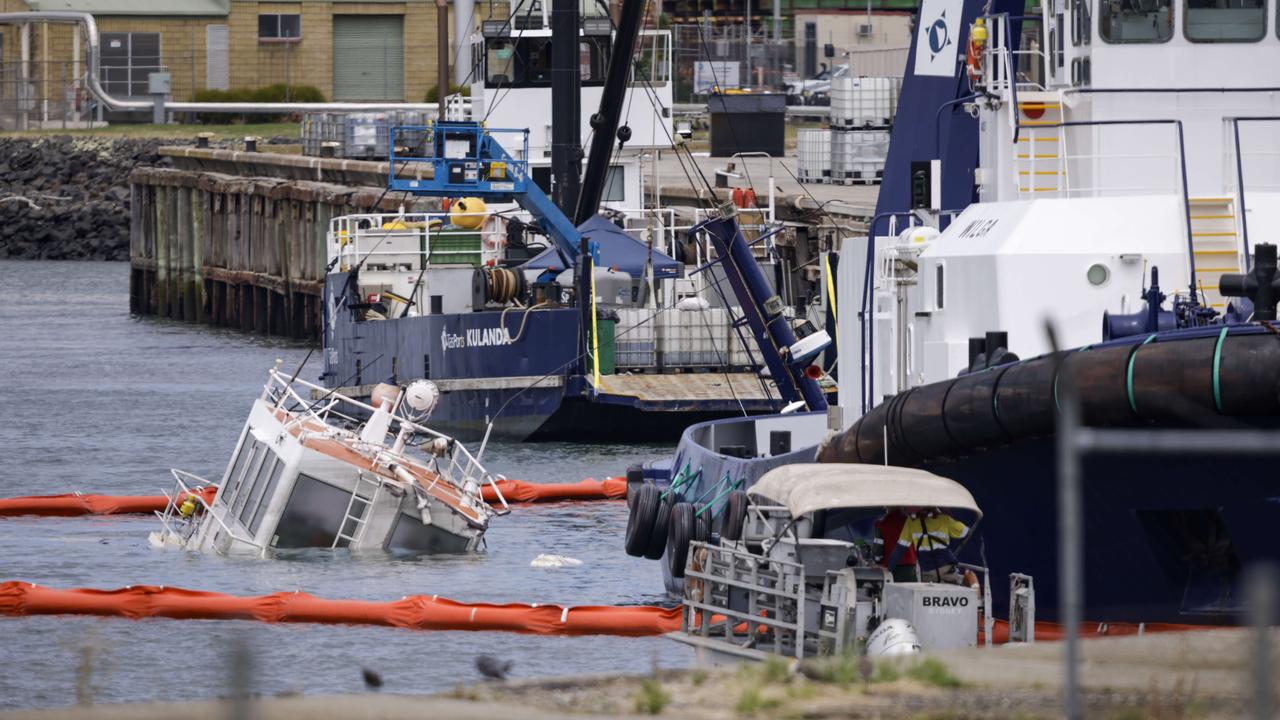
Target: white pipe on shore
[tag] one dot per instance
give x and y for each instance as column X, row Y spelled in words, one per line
column 86, row 21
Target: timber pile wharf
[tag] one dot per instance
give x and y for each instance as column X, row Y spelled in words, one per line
column 238, row 238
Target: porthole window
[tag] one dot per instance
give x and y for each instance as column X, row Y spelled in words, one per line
column 1098, row 274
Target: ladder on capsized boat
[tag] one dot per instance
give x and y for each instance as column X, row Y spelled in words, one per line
column 356, row 517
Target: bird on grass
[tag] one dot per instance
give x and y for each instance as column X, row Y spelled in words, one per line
column 493, row 668
column 372, row 680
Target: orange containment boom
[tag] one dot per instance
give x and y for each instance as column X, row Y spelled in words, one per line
column 531, row 492
column 417, row 612
column 77, row 504
column 515, row 491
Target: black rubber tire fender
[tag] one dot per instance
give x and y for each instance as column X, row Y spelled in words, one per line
column 680, row 534
column 658, row 538
column 640, row 521
column 702, row 524
column 635, row 478
column 734, row 518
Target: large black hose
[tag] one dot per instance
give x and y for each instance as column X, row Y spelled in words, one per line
column 1174, row 379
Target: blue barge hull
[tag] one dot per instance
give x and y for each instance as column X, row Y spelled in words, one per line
column 520, row 373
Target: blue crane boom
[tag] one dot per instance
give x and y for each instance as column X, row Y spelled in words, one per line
column 464, row 159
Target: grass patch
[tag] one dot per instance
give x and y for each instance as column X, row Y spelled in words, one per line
column 697, row 677
column 775, row 670
column 651, row 699
column 752, row 701
column 887, row 671
column 932, row 671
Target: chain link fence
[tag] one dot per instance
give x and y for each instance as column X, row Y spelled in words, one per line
column 42, row 95
column 727, row 56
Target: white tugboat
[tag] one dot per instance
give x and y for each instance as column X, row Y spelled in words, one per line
column 305, row 474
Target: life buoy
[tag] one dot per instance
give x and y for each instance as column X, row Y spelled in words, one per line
column 976, row 52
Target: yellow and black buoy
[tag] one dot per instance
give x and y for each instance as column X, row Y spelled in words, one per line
column 468, row 213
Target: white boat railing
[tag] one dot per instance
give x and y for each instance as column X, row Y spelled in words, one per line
column 768, row 607
column 408, row 242
column 181, row 492
column 462, row 465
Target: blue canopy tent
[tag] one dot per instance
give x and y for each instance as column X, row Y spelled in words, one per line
column 618, row 250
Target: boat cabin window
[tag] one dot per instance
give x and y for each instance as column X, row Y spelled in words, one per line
column 526, row 61
column 1136, row 21
column 312, row 516
column 939, row 286
column 265, row 500
column 1225, row 20
column 248, row 449
column 252, row 474
column 501, row 63
column 253, row 493
column 593, row 59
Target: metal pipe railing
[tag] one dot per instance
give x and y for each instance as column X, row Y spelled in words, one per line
column 94, row 84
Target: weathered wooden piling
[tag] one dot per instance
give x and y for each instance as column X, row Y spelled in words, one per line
column 236, row 250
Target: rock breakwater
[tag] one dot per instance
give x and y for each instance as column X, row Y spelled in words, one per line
column 67, row 198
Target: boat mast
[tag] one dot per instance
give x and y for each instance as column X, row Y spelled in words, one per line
column 566, row 118
column 604, row 124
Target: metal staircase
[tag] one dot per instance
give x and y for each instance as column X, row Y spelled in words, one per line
column 356, row 518
column 1040, row 158
column 1215, row 244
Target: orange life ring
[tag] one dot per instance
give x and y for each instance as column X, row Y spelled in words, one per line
column 973, row 60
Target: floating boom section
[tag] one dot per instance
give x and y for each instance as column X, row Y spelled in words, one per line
column 931, row 123
column 463, row 159
column 414, row 612
column 763, row 310
column 513, row 491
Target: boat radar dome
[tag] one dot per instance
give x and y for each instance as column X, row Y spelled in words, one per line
column 422, row 396
column 468, row 213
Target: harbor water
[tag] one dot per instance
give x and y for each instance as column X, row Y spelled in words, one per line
column 99, row 401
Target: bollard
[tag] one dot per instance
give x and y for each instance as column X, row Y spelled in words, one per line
column 202, row 139
column 328, row 149
column 250, row 143
column 1260, row 602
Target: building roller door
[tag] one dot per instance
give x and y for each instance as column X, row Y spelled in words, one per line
column 368, row 58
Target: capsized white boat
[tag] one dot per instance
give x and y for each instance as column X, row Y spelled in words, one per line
column 305, row 473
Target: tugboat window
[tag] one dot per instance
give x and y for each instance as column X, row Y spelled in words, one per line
column 593, row 60
column 939, row 286
column 526, row 62
column 615, row 189
column 1136, row 21
column 504, row 69
column 1225, row 20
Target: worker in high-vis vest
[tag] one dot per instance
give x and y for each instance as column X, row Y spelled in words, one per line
column 888, row 530
column 931, row 534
